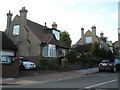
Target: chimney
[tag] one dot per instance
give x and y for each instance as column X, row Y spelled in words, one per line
column 54, row 25
column 23, row 15
column 9, row 17
column 93, row 29
column 45, row 24
column 82, row 32
column 101, row 34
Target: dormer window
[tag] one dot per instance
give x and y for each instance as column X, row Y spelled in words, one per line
column 16, row 29
column 57, row 34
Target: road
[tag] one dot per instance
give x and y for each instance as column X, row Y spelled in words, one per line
column 94, row 80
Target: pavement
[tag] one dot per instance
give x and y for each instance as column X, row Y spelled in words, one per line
column 35, row 77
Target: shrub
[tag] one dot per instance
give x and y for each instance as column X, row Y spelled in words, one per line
column 49, row 63
column 71, row 56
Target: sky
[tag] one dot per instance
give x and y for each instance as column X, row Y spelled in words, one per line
column 70, row 15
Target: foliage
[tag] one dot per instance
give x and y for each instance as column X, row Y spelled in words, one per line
column 65, row 37
column 97, row 52
column 49, row 63
column 71, row 56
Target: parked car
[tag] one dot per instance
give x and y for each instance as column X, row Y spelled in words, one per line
column 110, row 65
column 6, row 59
column 25, row 64
column 29, row 65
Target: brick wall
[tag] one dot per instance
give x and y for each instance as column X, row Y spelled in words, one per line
column 10, row 70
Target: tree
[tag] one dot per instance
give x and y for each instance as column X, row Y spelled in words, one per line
column 102, row 53
column 65, row 37
column 95, row 50
column 71, row 56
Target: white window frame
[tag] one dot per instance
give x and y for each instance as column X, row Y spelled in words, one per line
column 49, row 50
column 16, row 29
column 88, row 39
column 10, row 53
column 63, row 52
column 45, row 51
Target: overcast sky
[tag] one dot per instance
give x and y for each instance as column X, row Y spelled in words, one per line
column 70, row 15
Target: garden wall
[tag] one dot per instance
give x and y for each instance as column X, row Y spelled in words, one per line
column 10, row 70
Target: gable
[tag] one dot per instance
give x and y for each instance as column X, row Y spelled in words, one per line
column 88, row 33
column 95, row 38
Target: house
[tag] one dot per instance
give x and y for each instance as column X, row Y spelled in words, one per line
column 87, row 39
column 116, row 46
column 7, row 46
column 33, row 39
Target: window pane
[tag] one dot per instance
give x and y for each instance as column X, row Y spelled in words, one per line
column 63, row 52
column 88, row 39
column 45, row 51
column 52, row 51
column 16, row 30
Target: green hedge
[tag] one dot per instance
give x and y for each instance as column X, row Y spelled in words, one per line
column 49, row 63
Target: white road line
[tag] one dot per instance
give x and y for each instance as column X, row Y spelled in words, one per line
column 101, row 83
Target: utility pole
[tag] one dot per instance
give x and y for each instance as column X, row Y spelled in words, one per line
column 119, row 42
column 119, row 28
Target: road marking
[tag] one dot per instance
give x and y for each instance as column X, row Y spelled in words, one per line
column 26, row 82
column 101, row 83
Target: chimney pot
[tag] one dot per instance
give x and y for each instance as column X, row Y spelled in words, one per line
column 54, row 25
column 45, row 23
column 82, row 32
column 23, row 15
column 93, row 29
column 101, row 34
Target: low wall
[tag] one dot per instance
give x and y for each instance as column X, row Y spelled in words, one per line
column 10, row 70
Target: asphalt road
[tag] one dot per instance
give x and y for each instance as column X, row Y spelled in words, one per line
column 95, row 80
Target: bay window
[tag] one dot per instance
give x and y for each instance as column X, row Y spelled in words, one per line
column 49, row 50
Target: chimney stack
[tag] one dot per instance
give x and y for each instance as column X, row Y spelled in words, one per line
column 93, row 29
column 101, row 34
column 54, row 25
column 9, row 18
column 45, row 24
column 82, row 32
column 23, row 15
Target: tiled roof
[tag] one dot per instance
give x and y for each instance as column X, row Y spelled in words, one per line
column 6, row 42
column 44, row 37
column 83, row 48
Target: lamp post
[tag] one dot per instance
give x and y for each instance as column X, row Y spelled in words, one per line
column 119, row 42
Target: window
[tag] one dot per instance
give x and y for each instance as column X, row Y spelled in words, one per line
column 10, row 53
column 45, row 51
column 88, row 39
column 49, row 51
column 6, row 59
column 57, row 34
column 16, row 30
column 52, row 50
column 63, row 52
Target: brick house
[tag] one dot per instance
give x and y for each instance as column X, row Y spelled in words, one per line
column 87, row 39
column 33, row 39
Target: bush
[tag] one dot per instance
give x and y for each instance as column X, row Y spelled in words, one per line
column 71, row 56
column 49, row 63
